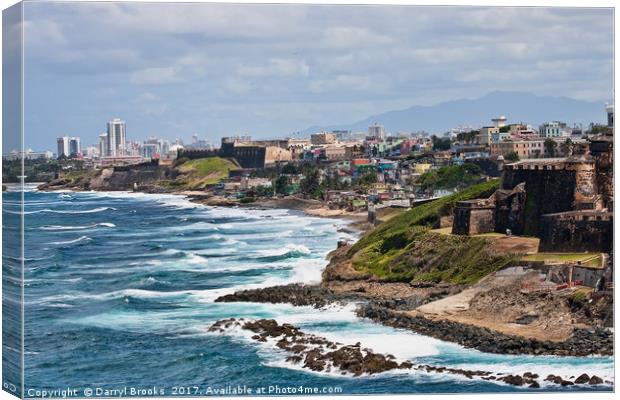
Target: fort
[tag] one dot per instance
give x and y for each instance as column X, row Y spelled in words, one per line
column 577, row 231
column 566, row 202
column 248, row 153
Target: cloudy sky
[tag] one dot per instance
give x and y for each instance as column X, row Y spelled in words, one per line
column 172, row 70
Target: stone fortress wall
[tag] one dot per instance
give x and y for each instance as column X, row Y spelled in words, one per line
column 566, row 202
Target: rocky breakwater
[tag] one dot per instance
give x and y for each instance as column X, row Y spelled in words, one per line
column 582, row 342
column 295, row 294
column 314, row 352
column 319, row 354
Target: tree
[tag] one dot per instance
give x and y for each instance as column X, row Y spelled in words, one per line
column 504, row 129
column 567, row 147
column 289, row 169
column 467, row 137
column 368, row 179
column 512, row 156
column 441, row 144
column 599, row 130
column 550, row 146
column 450, row 177
column 311, row 184
column 281, row 184
column 264, row 191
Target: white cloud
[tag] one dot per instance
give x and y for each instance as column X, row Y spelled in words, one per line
column 155, row 76
column 147, row 97
column 276, row 67
column 278, row 57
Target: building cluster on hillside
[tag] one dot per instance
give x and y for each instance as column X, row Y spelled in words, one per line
column 374, row 166
column 381, row 168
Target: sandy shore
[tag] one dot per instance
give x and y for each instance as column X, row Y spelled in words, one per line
column 309, row 207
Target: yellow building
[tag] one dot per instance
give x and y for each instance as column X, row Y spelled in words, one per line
column 523, row 148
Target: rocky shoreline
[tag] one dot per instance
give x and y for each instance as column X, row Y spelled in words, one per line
column 387, row 312
column 321, row 355
column 295, row 294
column 582, row 342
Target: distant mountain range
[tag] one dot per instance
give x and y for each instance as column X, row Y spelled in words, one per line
column 516, row 106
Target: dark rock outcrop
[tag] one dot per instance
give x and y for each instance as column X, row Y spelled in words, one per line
column 295, row 294
column 320, row 354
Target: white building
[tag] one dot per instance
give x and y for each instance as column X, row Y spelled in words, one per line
column 68, row 146
column 116, row 138
column 376, row 131
column 103, row 145
column 554, row 129
column 28, row 154
column 499, row 121
column 610, row 115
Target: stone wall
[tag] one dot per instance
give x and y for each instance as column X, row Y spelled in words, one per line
column 549, row 189
column 196, row 154
column 474, row 217
column 577, row 231
column 510, row 210
column 588, row 276
column 601, row 149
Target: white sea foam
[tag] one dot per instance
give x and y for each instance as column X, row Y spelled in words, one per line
column 48, row 210
column 77, row 227
column 74, row 241
column 290, row 248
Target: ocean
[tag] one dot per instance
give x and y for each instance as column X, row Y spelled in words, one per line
column 120, row 290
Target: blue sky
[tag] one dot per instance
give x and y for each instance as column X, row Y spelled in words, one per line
column 173, row 70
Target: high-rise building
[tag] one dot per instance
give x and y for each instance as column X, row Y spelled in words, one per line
column 164, row 146
column 376, row 131
column 63, row 146
column 103, row 145
column 610, row 115
column 75, row 148
column 68, row 146
column 116, row 138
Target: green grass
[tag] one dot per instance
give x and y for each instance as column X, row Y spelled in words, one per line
column 588, row 259
column 558, row 257
column 205, row 171
column 425, row 256
column 426, row 214
column 405, row 249
column 204, row 167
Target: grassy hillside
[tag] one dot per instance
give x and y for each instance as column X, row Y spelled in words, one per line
column 404, row 249
column 427, row 214
column 196, row 174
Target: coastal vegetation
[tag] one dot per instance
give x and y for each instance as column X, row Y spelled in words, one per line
column 404, row 249
column 450, row 177
column 196, row 174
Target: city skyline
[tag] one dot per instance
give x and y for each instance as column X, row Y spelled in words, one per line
column 213, row 72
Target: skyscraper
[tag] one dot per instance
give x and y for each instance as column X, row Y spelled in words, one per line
column 103, row 145
column 116, row 138
column 68, row 146
column 63, row 146
column 75, row 149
